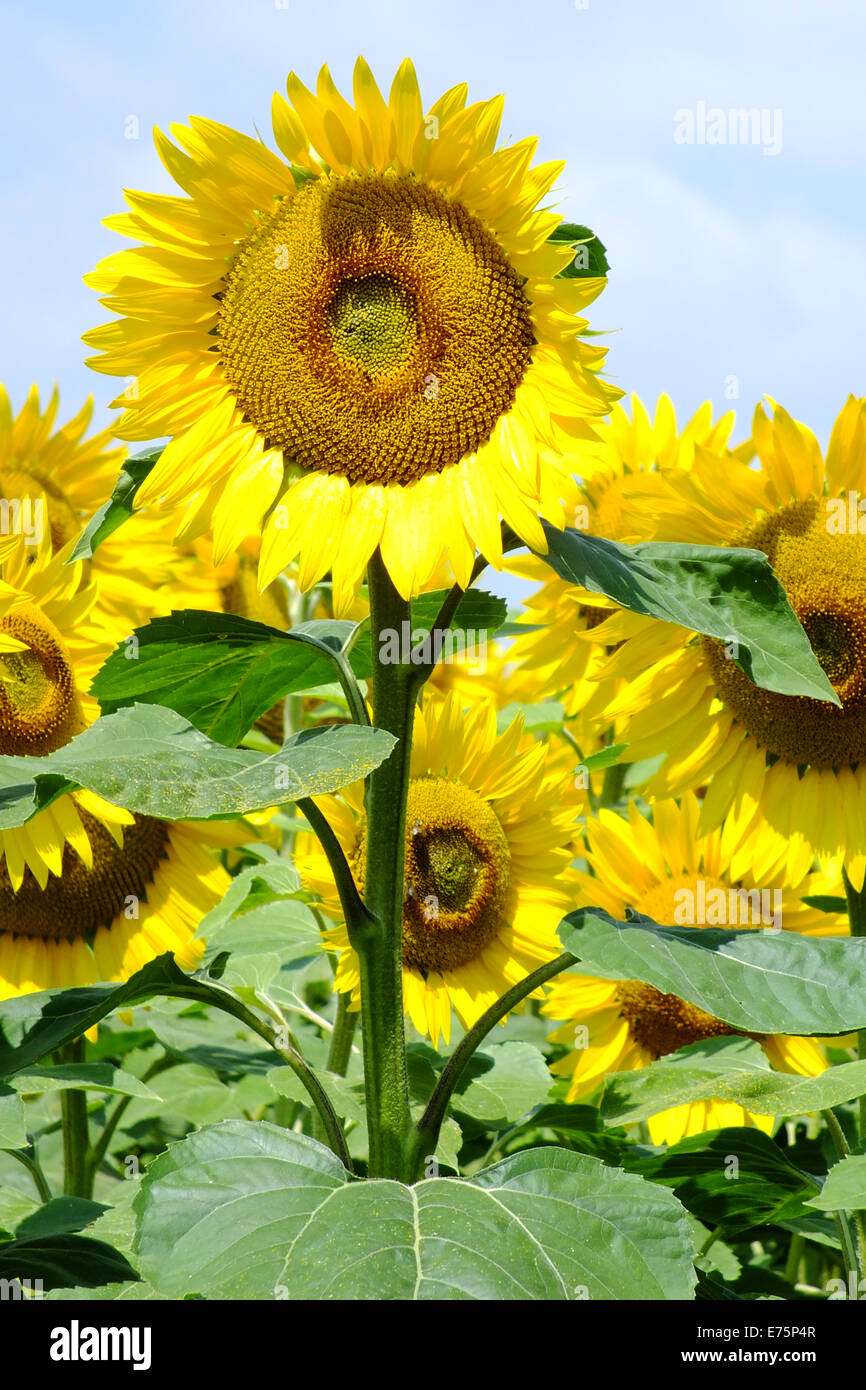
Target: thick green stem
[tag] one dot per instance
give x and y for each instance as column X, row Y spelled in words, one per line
column 380, row 946
column 73, row 1109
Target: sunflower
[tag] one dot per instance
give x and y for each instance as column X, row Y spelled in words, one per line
column 87, row 890
column 364, row 342
column 669, row 870
column 53, row 479
column 486, row 833
column 781, row 771
column 615, row 500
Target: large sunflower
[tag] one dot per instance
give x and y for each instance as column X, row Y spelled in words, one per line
column 87, row 890
column 619, row 1025
column 792, row 767
column 364, row 340
column 486, row 833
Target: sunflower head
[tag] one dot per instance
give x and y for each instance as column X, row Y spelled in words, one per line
column 365, row 342
column 489, row 819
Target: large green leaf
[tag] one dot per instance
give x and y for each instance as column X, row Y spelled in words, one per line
column 845, row 1187
column 222, row 671
column 151, row 760
column 118, row 508
column 729, row 1069
column 757, row 981
column 247, row 1211
column 732, row 595
column 502, row 1083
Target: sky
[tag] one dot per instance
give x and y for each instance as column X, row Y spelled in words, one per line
column 737, row 269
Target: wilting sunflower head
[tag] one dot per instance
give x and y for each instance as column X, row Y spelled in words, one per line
column 488, row 821
column 364, row 342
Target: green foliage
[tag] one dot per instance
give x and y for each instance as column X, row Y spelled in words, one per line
column 729, row 1069
column 845, row 1186
column 592, row 261
column 222, row 672
column 151, row 760
column 119, row 507
column 283, row 1222
column 760, row 982
column 731, row 595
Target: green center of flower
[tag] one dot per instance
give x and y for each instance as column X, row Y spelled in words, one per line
column 457, row 874
column 373, row 322
column 372, row 328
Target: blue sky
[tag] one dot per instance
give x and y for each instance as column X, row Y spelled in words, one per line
column 726, row 262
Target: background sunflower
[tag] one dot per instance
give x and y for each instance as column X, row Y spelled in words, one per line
column 619, row 1025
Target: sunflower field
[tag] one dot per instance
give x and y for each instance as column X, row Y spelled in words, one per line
column 363, row 937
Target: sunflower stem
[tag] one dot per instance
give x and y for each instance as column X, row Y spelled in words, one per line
column 340, row 1049
column 358, row 919
column 426, row 1133
column 73, row 1110
column 380, row 949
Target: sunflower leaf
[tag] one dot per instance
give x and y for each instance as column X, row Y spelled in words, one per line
column 733, row 1178
column 845, row 1186
column 119, row 507
column 90, row 1076
column 757, row 981
column 589, row 258
column 729, row 1069
column 62, row 1260
column 283, row 1221
column 222, row 671
column 219, row 670
column 13, row 1130
column 32, row 1025
column 60, row 1216
column 729, row 594
column 151, row 760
